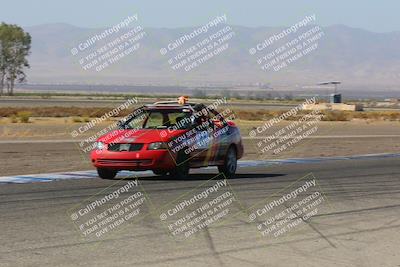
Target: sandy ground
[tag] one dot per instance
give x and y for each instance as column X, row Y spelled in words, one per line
column 61, row 128
column 49, row 147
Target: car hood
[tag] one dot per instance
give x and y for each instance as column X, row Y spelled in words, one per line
column 139, row 136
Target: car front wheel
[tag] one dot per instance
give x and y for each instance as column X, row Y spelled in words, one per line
column 106, row 173
column 182, row 168
column 230, row 163
column 160, row 172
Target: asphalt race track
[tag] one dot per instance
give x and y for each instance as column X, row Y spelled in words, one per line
column 357, row 224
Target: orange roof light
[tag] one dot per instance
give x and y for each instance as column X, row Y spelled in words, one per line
column 182, row 100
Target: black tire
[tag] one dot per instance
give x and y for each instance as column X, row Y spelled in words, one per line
column 182, row 168
column 106, row 173
column 160, row 172
column 230, row 163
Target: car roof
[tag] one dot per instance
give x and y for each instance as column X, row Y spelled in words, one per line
column 170, row 105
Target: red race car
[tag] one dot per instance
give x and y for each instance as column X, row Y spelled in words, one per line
column 170, row 137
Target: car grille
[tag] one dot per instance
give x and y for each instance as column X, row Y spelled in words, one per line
column 124, row 147
column 125, row 162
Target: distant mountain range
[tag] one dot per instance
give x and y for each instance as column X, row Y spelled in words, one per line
column 357, row 57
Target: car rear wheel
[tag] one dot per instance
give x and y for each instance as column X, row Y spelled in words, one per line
column 106, row 173
column 181, row 170
column 230, row 163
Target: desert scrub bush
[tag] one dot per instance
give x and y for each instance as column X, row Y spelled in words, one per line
column 256, row 115
column 336, row 116
column 361, row 115
column 59, row 112
column 76, row 119
column 24, row 116
column 378, row 115
column 394, row 116
column 13, row 119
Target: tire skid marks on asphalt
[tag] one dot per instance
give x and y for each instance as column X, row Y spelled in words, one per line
column 48, row 177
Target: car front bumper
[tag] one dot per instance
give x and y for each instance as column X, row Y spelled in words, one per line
column 133, row 161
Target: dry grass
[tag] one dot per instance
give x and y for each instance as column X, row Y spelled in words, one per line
column 59, row 111
column 81, row 114
column 328, row 115
column 24, row 116
column 13, row 119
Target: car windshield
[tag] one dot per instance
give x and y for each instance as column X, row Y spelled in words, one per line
column 177, row 119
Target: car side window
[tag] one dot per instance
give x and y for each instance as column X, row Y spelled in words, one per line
column 180, row 120
column 155, row 120
column 135, row 122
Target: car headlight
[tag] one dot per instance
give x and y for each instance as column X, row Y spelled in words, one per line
column 157, row 146
column 100, row 145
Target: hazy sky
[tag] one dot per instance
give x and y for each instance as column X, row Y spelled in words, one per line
column 379, row 16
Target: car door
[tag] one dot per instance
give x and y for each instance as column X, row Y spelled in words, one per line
column 203, row 142
column 221, row 136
